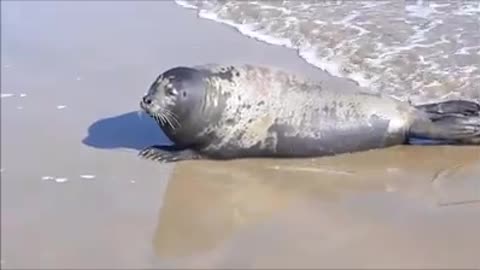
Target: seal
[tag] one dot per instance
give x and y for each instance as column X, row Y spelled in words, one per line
column 246, row 111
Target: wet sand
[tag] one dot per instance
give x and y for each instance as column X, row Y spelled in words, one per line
column 82, row 67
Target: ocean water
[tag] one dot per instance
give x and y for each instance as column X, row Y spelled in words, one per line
column 416, row 50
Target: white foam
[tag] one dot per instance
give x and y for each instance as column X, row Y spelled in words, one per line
column 362, row 31
column 469, row 9
column 422, row 59
column 60, row 107
column 247, row 30
column 320, row 22
column 281, row 9
column 375, row 4
column 87, row 176
column 465, row 50
column 347, row 19
column 432, row 84
column 23, row 95
column 6, row 95
column 419, row 10
column 61, row 180
column 56, row 179
column 308, row 53
column 305, row 51
column 437, row 5
column 185, row 4
column 468, row 69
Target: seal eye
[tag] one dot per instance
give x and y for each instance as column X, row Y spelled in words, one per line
column 184, row 94
column 170, row 91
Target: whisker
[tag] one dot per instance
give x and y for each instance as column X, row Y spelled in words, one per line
column 169, row 121
column 158, row 119
column 173, row 118
column 165, row 117
column 162, row 118
column 164, row 121
column 173, row 121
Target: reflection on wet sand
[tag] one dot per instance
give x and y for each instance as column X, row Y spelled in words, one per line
column 211, row 208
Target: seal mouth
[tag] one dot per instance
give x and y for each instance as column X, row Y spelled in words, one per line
column 163, row 116
column 144, row 107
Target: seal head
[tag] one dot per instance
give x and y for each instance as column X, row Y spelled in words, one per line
column 173, row 100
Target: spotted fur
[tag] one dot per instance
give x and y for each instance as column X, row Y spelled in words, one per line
column 253, row 111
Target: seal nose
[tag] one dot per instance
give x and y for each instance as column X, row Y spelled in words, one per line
column 147, row 100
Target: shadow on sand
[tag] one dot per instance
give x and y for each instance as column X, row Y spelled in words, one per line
column 129, row 130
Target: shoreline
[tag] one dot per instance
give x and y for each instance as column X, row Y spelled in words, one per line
column 304, row 53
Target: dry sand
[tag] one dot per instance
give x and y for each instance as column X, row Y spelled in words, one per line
column 74, row 194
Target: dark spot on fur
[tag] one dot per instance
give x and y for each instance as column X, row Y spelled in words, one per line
column 250, row 120
column 224, row 74
column 238, row 74
column 240, row 135
column 325, row 109
column 261, row 103
column 230, row 121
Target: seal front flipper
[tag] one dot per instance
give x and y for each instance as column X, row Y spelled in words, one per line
column 168, row 153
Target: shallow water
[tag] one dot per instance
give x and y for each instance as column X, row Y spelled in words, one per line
column 413, row 50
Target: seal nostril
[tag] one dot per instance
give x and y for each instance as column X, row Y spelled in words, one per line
column 147, row 100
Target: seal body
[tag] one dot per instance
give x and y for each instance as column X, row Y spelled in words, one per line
column 226, row 112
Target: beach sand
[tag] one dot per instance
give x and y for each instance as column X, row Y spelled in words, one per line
column 74, row 194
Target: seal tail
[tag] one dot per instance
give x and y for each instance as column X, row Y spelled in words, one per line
column 449, row 122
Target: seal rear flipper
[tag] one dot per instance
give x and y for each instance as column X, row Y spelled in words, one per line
column 446, row 130
column 450, row 107
column 168, row 153
column 448, row 122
